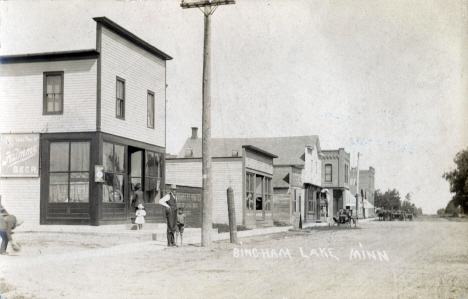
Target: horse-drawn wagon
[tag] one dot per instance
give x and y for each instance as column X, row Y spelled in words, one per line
column 346, row 217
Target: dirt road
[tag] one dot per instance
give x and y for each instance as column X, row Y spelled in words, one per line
column 420, row 259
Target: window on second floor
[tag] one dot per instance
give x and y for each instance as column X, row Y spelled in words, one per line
column 328, row 172
column 150, row 113
column 53, row 93
column 346, row 178
column 120, row 99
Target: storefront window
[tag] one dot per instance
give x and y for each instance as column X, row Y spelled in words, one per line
column 267, row 194
column 69, row 172
column 152, row 177
column 114, row 156
column 311, row 202
column 108, row 156
column 249, row 187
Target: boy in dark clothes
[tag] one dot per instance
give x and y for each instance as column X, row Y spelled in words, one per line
column 180, row 224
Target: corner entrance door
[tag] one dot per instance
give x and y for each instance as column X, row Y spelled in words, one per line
column 135, row 171
column 259, row 197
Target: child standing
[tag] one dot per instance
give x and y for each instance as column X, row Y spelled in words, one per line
column 140, row 219
column 180, row 224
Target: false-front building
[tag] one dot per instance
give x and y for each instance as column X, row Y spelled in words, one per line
column 81, row 129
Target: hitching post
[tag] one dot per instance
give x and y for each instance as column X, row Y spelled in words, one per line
column 232, row 215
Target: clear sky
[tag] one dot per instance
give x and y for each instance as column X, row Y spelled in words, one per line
column 383, row 78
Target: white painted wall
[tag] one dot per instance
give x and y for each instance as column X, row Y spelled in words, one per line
column 21, row 197
column 142, row 71
column 312, row 172
column 21, row 96
column 258, row 162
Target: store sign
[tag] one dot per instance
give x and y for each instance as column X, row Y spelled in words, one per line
column 20, row 155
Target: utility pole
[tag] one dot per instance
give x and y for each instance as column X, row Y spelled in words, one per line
column 357, row 187
column 207, row 196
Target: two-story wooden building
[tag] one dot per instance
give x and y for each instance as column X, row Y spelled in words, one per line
column 297, row 179
column 65, row 114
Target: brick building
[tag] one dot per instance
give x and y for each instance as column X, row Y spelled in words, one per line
column 336, row 178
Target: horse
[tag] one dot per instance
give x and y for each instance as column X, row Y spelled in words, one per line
column 381, row 214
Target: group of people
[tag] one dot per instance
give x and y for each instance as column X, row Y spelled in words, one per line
column 175, row 217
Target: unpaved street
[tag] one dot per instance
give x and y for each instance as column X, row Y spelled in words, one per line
column 426, row 259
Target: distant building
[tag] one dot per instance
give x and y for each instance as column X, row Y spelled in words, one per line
column 366, row 188
column 64, row 113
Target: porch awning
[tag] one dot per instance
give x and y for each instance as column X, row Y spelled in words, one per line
column 350, row 199
column 368, row 205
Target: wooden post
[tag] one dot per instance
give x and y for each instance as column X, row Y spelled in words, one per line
column 358, row 192
column 207, row 212
column 207, row 196
column 232, row 215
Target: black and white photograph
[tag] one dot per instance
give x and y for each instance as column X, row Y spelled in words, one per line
column 234, row 149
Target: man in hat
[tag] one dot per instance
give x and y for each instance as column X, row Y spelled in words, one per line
column 170, row 202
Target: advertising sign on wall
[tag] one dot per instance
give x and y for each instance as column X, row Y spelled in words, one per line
column 20, row 155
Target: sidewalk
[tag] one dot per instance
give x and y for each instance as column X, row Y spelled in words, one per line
column 308, row 225
column 153, row 231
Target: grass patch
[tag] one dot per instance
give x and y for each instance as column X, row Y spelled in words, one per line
column 5, row 288
column 224, row 228
column 280, row 223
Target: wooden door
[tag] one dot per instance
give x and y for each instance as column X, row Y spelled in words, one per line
column 135, row 178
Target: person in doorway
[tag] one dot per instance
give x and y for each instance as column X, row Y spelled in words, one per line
column 180, row 224
column 8, row 223
column 140, row 219
column 138, row 196
column 170, row 202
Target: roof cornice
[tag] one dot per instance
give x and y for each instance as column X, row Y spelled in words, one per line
column 132, row 37
column 50, row 56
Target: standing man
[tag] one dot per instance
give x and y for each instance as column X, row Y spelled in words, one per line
column 170, row 202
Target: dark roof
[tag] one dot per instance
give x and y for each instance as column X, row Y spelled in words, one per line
column 132, row 37
column 63, row 55
column 260, row 151
column 290, row 150
column 281, row 177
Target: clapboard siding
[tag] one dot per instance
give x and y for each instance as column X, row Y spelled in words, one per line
column 312, row 172
column 281, row 210
column 21, row 95
column 225, row 174
column 259, row 162
column 20, row 197
column 142, row 71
